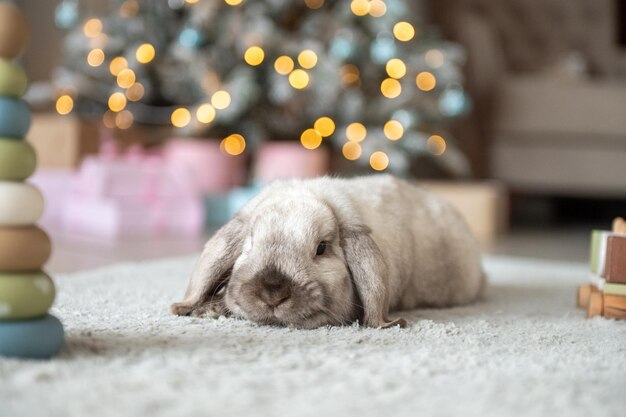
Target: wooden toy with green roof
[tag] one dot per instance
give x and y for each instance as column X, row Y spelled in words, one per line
column 606, row 294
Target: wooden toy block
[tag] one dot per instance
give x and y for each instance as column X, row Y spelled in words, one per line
column 598, row 303
column 614, row 306
column 595, row 306
column 615, row 270
column 619, row 226
column 584, row 292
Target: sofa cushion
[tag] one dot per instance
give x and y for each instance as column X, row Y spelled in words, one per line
column 548, row 104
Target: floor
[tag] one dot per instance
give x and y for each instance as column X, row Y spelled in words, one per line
column 75, row 253
column 524, row 350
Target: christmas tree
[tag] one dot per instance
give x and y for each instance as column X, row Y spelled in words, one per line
column 365, row 75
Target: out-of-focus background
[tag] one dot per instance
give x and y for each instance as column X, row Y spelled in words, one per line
column 154, row 121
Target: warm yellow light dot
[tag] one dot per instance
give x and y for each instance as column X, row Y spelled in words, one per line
column 378, row 8
column 395, row 68
column 205, row 113
column 314, row 4
column 92, row 28
column 117, row 64
column 108, row 119
column 379, row 161
column 350, row 74
column 254, row 55
column 434, row 58
column 181, row 117
column 403, row 31
column 311, row 139
column 220, row 99
column 351, row 151
column 425, row 81
column 117, row 102
column 64, row 104
column 145, row 53
column 95, row 58
column 307, row 59
column 360, row 7
column 124, row 119
column 234, row 144
column 299, row 79
column 191, row 1
column 233, row 2
column 393, row 130
column 126, row 78
column 283, row 65
column 325, row 126
column 129, row 8
column 356, row 132
column 436, row 145
column 391, row 88
column 135, row 92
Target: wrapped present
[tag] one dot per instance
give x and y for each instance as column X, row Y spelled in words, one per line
column 136, row 193
column 139, row 177
column 62, row 142
column 282, row 160
column 212, row 171
column 114, row 218
column 56, row 187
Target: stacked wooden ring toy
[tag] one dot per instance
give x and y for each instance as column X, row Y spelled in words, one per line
column 26, row 292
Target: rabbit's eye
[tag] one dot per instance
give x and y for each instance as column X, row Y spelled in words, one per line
column 321, row 248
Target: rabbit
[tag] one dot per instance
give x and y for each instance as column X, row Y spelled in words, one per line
column 331, row 251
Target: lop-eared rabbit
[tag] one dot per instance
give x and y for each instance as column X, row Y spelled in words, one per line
column 329, row 251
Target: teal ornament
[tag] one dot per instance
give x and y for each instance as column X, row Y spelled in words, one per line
column 408, row 119
column 342, row 48
column 239, row 197
column 66, row 15
column 37, row 339
column 217, row 211
column 397, row 8
column 383, row 49
column 453, row 103
column 190, row 38
column 14, row 118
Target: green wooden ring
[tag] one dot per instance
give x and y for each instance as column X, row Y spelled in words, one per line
column 13, row 82
column 18, row 160
column 25, row 296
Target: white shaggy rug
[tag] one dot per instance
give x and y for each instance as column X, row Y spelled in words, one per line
column 524, row 351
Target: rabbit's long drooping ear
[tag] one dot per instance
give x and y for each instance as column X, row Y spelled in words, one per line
column 212, row 270
column 369, row 273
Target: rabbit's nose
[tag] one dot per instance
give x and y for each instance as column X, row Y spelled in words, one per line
column 274, row 295
column 273, row 288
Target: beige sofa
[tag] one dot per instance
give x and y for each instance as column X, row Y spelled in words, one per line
column 550, row 103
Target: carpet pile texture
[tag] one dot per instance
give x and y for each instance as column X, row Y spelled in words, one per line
column 525, row 350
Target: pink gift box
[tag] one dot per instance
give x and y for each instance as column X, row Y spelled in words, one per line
column 134, row 194
column 112, row 219
column 135, row 177
column 212, row 170
column 282, row 160
column 55, row 185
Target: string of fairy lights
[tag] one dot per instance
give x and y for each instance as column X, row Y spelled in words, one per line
column 296, row 69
